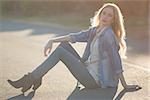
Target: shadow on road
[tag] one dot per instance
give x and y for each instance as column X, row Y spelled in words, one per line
column 122, row 93
column 23, row 97
column 85, row 94
column 9, row 26
column 98, row 94
column 93, row 94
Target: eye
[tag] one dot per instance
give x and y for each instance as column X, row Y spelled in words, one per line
column 104, row 13
column 110, row 15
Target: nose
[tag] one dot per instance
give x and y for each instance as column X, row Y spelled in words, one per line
column 104, row 18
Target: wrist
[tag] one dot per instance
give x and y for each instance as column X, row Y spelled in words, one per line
column 123, row 82
column 51, row 40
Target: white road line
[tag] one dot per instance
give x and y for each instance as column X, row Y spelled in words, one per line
column 137, row 66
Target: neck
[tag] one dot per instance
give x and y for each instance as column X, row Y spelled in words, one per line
column 100, row 27
column 103, row 25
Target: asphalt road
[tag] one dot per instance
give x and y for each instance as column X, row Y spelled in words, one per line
column 21, row 46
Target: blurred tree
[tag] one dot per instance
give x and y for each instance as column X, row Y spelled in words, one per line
column 79, row 7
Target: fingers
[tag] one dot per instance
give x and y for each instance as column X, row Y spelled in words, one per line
column 138, row 87
column 47, row 51
column 48, row 48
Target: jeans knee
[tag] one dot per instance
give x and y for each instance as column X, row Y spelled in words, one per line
column 64, row 44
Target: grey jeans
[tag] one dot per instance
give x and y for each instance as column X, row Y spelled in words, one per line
column 67, row 54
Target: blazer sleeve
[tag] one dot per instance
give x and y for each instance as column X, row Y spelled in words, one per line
column 112, row 48
column 81, row 36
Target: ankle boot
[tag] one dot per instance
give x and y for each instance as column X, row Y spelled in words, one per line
column 37, row 83
column 19, row 83
column 26, row 82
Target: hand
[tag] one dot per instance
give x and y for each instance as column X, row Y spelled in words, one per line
column 48, row 47
column 132, row 87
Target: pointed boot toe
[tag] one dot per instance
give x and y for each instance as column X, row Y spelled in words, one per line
column 26, row 82
column 14, row 84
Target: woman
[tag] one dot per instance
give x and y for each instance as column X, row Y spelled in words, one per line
column 100, row 65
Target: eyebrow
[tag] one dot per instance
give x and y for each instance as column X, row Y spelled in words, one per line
column 108, row 13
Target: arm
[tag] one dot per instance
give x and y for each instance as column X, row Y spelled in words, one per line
column 66, row 38
column 81, row 36
column 112, row 49
column 125, row 85
column 123, row 82
column 48, row 46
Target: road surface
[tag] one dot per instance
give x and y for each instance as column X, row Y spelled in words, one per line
column 21, row 46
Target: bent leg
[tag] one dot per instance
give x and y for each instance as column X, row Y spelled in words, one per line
column 78, row 69
column 67, row 46
column 75, row 66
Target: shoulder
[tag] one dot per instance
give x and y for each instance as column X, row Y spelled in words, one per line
column 109, row 33
column 91, row 29
column 88, row 30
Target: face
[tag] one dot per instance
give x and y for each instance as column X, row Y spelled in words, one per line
column 106, row 17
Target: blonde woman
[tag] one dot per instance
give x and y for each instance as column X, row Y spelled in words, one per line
column 100, row 66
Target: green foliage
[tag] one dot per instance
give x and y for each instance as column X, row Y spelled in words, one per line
column 70, row 12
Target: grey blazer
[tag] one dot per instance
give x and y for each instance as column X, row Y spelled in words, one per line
column 110, row 62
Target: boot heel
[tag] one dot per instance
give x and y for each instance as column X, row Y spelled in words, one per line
column 24, row 89
column 37, row 84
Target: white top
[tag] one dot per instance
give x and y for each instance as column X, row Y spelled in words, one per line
column 93, row 58
column 93, row 65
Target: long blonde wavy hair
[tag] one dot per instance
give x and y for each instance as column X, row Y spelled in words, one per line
column 117, row 26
